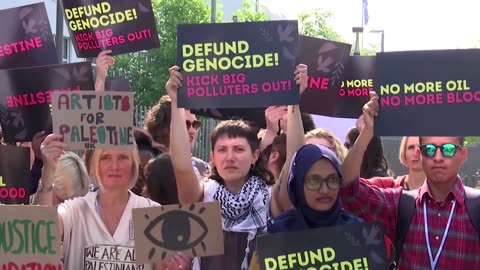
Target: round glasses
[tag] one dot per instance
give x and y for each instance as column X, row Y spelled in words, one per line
column 316, row 182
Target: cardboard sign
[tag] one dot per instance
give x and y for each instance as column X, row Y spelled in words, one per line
column 122, row 26
column 26, row 95
column 26, row 39
column 89, row 119
column 428, row 93
column 195, row 229
column 326, row 62
column 29, row 238
column 232, row 65
column 15, row 175
column 358, row 246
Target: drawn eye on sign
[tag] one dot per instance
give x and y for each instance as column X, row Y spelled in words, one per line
column 176, row 231
column 195, row 229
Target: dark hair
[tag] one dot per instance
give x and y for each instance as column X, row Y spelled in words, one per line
column 374, row 162
column 308, row 123
column 161, row 185
column 235, row 129
column 157, row 121
column 145, row 142
column 461, row 140
column 279, row 144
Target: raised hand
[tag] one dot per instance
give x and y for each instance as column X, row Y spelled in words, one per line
column 174, row 82
column 103, row 62
column 273, row 114
column 301, row 77
column 52, row 149
column 370, row 110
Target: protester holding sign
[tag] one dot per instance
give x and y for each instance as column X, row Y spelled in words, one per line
column 441, row 217
column 97, row 230
column 103, row 62
column 238, row 172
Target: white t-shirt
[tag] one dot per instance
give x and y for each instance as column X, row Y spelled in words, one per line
column 87, row 243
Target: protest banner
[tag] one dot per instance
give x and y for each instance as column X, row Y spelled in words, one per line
column 355, row 87
column 428, row 93
column 121, row 84
column 122, row 26
column 232, row 65
column 26, row 39
column 348, row 247
column 15, row 177
column 326, row 61
column 29, row 238
column 90, row 120
column 194, row 229
column 26, row 96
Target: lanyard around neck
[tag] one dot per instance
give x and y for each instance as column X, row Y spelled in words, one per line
column 433, row 262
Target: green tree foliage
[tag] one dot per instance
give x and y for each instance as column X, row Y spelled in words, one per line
column 250, row 12
column 148, row 70
column 314, row 23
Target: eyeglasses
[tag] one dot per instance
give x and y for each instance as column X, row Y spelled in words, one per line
column 315, row 182
column 448, row 150
column 195, row 124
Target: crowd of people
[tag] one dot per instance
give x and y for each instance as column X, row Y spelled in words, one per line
column 291, row 176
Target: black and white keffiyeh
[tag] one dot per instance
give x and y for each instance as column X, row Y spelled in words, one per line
column 245, row 211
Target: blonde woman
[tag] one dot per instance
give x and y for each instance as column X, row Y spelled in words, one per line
column 327, row 138
column 101, row 220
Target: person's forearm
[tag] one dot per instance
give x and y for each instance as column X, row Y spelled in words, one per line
column 188, row 186
column 353, row 161
column 267, row 139
column 100, row 84
column 45, row 197
column 295, row 140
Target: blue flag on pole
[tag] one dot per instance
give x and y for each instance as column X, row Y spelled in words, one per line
column 365, row 12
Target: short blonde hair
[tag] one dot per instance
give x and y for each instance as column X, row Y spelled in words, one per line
column 402, row 150
column 337, row 146
column 71, row 178
column 95, row 173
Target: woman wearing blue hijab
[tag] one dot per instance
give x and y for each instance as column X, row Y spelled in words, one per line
column 313, row 187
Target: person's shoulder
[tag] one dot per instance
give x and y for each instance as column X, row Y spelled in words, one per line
column 140, row 201
column 350, row 218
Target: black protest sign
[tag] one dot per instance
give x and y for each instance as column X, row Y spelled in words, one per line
column 428, row 93
column 357, row 83
column 326, row 62
column 359, row 246
column 15, row 175
column 195, row 229
column 26, row 96
column 232, row 65
column 26, row 38
column 121, row 84
column 254, row 115
column 122, row 26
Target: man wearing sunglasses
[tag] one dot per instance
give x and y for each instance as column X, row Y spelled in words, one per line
column 441, row 234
